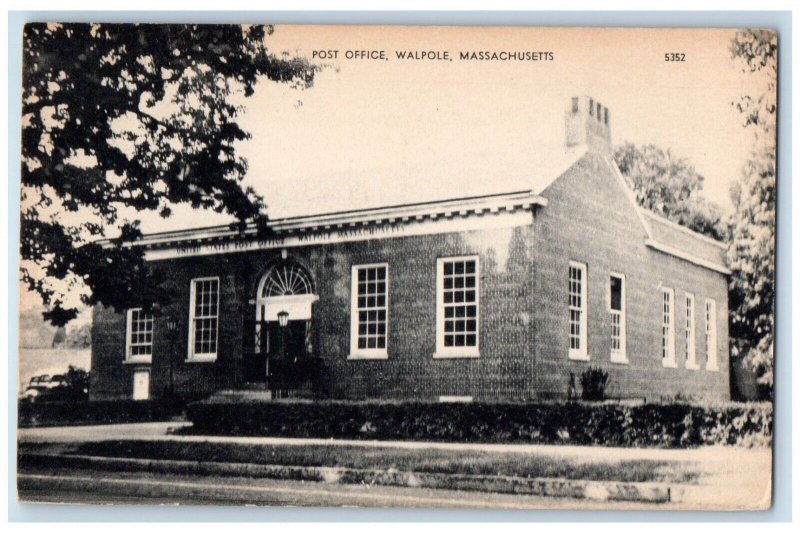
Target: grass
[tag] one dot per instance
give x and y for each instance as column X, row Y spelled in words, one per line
column 428, row 460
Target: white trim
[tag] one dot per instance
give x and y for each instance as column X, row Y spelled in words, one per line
column 705, row 238
column 355, row 351
column 621, row 355
column 670, row 360
column 712, row 352
column 354, row 232
column 135, row 359
column 326, row 222
column 686, row 256
column 191, row 357
column 581, row 353
column 690, row 333
column 455, row 399
column 629, row 194
column 456, row 352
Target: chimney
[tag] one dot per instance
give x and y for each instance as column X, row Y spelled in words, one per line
column 588, row 123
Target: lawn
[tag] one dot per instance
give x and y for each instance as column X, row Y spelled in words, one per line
column 428, row 460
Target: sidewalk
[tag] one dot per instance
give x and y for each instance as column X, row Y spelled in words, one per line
column 727, row 477
column 165, row 430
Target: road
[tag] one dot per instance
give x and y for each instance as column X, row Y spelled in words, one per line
column 76, row 486
column 731, row 477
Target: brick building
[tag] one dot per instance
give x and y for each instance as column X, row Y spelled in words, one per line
column 497, row 296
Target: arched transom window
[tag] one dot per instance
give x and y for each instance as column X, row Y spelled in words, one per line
column 286, row 280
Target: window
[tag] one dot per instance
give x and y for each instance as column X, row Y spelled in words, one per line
column 139, row 338
column 599, row 112
column 668, row 327
column 616, row 300
column 457, row 296
column 605, row 115
column 711, row 335
column 574, row 105
column 577, row 311
column 369, row 311
column 690, row 340
column 591, row 107
column 204, row 319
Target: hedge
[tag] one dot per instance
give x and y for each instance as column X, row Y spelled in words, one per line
column 645, row 425
column 79, row 413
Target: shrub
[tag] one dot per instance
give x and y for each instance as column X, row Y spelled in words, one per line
column 593, row 384
column 649, row 425
column 78, row 413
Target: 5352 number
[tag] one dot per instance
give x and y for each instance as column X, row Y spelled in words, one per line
column 675, row 56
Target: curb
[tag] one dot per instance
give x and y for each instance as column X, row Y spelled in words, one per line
column 554, row 487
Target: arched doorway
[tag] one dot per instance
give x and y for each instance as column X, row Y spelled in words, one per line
column 283, row 351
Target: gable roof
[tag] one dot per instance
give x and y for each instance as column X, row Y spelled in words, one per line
column 479, row 197
column 671, row 238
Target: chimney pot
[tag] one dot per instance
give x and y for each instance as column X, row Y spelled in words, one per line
column 587, row 123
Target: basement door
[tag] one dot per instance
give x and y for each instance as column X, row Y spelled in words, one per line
column 141, row 385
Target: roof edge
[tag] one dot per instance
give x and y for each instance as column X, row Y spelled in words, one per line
column 705, row 238
column 402, row 213
column 680, row 254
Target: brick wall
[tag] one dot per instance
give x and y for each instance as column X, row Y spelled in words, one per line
column 523, row 309
column 589, row 220
column 502, row 370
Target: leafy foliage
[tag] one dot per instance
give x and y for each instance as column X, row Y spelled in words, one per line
column 752, row 251
column 668, row 186
column 649, row 425
column 121, row 119
column 593, row 384
column 79, row 413
column 76, row 381
column 79, row 336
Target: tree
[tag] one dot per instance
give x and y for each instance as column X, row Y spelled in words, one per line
column 76, row 383
column 669, row 186
column 122, row 119
column 751, row 254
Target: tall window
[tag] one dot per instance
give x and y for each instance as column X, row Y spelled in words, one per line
column 577, row 311
column 711, row 335
column 616, row 302
column 369, row 311
column 668, row 327
column 139, row 339
column 204, row 319
column 457, row 297
column 690, row 337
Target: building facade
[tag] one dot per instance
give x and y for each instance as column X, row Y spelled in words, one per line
column 493, row 297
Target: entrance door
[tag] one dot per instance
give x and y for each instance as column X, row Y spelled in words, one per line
column 141, row 385
column 293, row 336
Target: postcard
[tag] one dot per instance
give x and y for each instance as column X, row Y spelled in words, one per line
column 397, row 266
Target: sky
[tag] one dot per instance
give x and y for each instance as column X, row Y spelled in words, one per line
column 377, row 132
column 388, row 131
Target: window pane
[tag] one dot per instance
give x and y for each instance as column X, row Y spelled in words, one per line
column 372, row 302
column 459, row 297
column 140, row 339
column 616, row 293
column 577, row 307
column 206, row 312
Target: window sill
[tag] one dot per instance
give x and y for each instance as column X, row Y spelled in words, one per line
column 692, row 366
column 620, row 359
column 714, row 368
column 142, row 361
column 579, row 356
column 378, row 356
column 461, row 354
column 201, row 359
column 666, row 363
